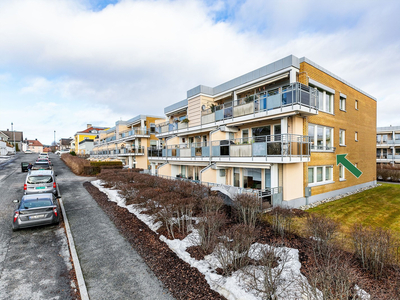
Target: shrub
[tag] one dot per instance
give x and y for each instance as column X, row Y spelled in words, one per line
column 375, row 248
column 72, row 153
column 281, row 220
column 76, row 164
column 248, row 208
column 233, row 249
column 322, row 230
column 208, row 229
column 210, row 204
column 267, row 278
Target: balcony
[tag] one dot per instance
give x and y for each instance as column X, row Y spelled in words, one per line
column 294, row 97
column 387, row 143
column 272, row 148
column 110, row 139
column 135, row 132
column 166, row 127
column 119, row 152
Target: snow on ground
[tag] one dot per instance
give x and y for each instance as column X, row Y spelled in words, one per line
column 232, row 287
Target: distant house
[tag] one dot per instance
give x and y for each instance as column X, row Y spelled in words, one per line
column 14, row 137
column 90, row 132
column 47, row 149
column 35, row 146
column 86, row 146
column 3, row 137
column 65, row 143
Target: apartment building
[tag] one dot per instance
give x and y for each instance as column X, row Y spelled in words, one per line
column 277, row 129
column 128, row 141
column 388, row 145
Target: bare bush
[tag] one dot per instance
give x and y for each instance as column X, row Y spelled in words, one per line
column 322, row 230
column 281, row 220
column 211, row 204
column 233, row 249
column 208, row 229
column 267, row 278
column 248, row 208
column 184, row 213
column 375, row 248
column 332, row 277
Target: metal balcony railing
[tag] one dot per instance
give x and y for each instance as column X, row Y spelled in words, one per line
column 294, row 94
column 133, row 132
column 280, row 145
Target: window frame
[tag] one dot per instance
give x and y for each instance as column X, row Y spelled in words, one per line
column 342, row 173
column 356, row 136
column 324, row 179
column 342, row 103
column 314, row 138
column 356, row 104
column 344, row 137
column 325, row 93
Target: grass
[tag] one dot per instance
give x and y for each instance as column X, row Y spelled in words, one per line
column 377, row 207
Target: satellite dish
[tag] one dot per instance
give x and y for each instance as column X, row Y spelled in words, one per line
column 203, row 107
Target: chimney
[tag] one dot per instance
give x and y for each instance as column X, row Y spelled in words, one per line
column 35, row 139
column 7, row 129
column 89, row 125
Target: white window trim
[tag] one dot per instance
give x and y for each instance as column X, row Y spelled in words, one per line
column 344, row 173
column 344, row 137
column 342, row 100
column 356, row 104
column 324, row 181
column 325, row 128
column 356, row 136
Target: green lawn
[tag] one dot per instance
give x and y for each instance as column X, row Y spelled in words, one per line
column 377, row 207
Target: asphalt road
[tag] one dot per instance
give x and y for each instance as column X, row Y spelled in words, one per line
column 112, row 269
column 35, row 262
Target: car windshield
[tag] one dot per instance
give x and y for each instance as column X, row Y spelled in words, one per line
column 32, row 203
column 39, row 179
column 42, row 163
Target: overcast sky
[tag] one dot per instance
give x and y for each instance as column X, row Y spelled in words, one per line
column 67, row 63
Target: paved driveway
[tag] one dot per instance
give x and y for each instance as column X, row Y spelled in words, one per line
column 34, row 263
column 111, row 267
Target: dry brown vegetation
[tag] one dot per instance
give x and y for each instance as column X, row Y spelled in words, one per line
column 388, row 172
column 229, row 231
column 76, row 164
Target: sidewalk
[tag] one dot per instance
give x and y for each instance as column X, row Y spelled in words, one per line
column 111, row 267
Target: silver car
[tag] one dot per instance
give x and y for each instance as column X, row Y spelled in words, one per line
column 40, row 181
column 36, row 210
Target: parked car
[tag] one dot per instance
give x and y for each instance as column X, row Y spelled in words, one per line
column 42, row 165
column 44, row 159
column 36, row 210
column 44, row 154
column 28, row 151
column 24, row 167
column 40, row 181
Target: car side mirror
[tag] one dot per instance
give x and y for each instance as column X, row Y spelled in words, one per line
column 58, row 197
column 16, row 201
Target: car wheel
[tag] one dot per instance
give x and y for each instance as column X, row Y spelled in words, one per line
column 14, row 229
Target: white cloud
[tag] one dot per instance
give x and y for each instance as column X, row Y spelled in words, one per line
column 136, row 57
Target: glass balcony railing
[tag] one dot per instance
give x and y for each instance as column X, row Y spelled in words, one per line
column 280, row 145
column 133, row 132
column 295, row 94
column 135, row 150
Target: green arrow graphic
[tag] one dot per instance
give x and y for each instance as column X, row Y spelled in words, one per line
column 341, row 159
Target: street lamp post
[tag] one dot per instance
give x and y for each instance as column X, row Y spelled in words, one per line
column 12, row 129
column 55, row 141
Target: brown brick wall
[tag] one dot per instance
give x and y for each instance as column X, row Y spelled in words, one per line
column 362, row 120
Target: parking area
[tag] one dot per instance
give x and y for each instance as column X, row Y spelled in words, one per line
column 34, row 262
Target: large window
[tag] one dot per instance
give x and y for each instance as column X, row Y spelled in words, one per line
column 259, row 133
column 320, row 137
column 236, row 177
column 252, row 178
column 325, row 100
column 245, row 136
column 320, row 175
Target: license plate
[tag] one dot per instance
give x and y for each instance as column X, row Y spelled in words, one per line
column 40, row 187
column 36, row 217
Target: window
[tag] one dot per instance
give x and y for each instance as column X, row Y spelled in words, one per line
column 236, row 176
column 320, row 137
column 152, row 128
column 397, row 151
column 259, row 133
column 356, row 136
column 325, row 100
column 342, row 137
column 205, row 140
column 320, row 175
column 341, row 173
column 245, row 136
column 356, row 105
column 342, row 103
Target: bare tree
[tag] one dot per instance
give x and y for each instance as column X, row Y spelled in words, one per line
column 208, row 229
column 211, row 204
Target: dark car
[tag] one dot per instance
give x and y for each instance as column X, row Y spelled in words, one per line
column 24, row 167
column 41, row 165
column 35, row 210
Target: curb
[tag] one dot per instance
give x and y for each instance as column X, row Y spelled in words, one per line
column 77, row 266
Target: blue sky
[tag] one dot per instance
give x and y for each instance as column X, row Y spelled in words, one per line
column 67, row 63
